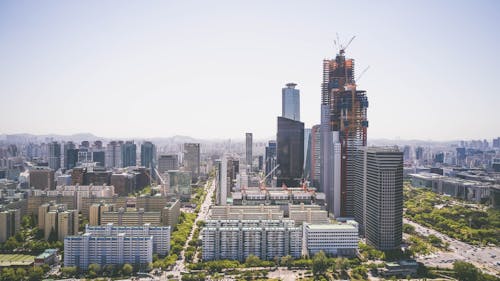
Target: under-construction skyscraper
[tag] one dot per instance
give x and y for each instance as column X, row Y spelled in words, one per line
column 343, row 130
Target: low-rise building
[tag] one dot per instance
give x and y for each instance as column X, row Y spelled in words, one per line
column 400, row 268
column 48, row 257
column 339, row 239
column 131, row 217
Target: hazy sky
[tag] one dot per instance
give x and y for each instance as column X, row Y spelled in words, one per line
column 215, row 69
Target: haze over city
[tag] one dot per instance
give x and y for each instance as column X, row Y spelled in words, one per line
column 216, row 69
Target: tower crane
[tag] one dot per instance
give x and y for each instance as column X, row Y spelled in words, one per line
column 262, row 181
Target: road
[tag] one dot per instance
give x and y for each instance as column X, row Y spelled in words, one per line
column 202, row 215
column 485, row 258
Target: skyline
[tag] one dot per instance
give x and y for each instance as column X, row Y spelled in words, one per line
column 150, row 62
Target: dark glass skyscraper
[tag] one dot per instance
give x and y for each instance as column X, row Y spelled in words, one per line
column 54, row 155
column 129, row 154
column 148, row 154
column 290, row 151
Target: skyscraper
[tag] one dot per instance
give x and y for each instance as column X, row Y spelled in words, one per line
column 54, row 155
column 270, row 161
column 379, row 196
column 343, row 110
column 315, row 151
column 192, row 159
column 148, row 154
column 290, row 99
column 70, row 155
column 248, row 150
column 129, row 154
column 168, row 162
column 290, row 151
column 307, row 153
column 113, row 155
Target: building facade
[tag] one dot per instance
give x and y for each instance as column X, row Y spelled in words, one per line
column 86, row 249
column 192, row 159
column 290, row 102
column 238, row 239
column 290, row 151
column 333, row 239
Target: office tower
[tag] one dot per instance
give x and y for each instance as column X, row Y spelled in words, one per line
column 129, row 154
column 192, row 159
column 10, row 222
column 496, row 143
column 461, row 155
column 315, row 152
column 124, row 183
column 167, row 163
column 343, row 110
column 406, row 153
column 419, row 153
column 290, row 151
column 70, row 155
column 379, row 196
column 41, row 178
column 222, row 187
column 270, row 157
column 307, row 154
column 290, row 102
column 83, row 250
column 54, row 155
column 148, row 155
column 99, row 158
column 248, row 150
column 113, row 155
column 179, row 183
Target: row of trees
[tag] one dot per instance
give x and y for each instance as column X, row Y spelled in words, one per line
column 17, row 274
column 96, row 270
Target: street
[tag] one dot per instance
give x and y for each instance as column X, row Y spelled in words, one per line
column 202, row 215
column 486, row 258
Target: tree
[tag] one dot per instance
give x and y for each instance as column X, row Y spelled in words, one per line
column 320, row 263
column 252, row 261
column 35, row 274
column 94, row 270
column 127, row 269
column 408, row 228
column 465, row 271
column 343, row 264
column 286, row 261
column 69, row 271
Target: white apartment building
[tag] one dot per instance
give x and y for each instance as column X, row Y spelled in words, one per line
column 237, row 239
column 333, row 239
column 160, row 234
column 83, row 250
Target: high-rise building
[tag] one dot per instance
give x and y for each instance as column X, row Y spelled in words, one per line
column 148, row 154
column 270, row 157
column 55, row 155
column 83, row 250
column 379, row 196
column 343, row 111
column 113, row 155
column 248, row 150
column 192, row 159
column 96, row 211
column 41, row 178
column 10, row 221
column 315, row 151
column 129, row 154
column 238, row 239
column 99, row 158
column 290, row 102
column 496, row 143
column 307, row 153
column 167, row 163
column 70, row 155
column 290, row 151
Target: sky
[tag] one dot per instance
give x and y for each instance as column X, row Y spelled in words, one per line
column 215, row 69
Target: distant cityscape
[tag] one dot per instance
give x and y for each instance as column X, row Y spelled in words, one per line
column 326, row 189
